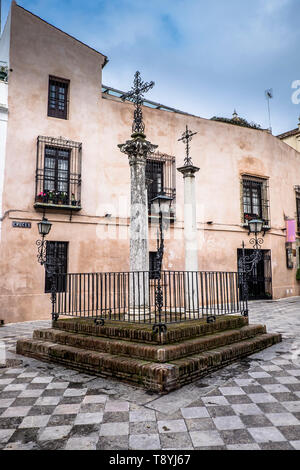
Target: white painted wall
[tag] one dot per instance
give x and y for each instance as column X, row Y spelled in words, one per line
column 5, row 41
column 4, row 60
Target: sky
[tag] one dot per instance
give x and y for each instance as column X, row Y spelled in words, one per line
column 206, row 57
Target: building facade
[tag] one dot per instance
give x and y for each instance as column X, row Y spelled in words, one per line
column 60, row 128
column 292, row 137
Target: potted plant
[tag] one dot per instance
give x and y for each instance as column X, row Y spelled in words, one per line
column 73, row 200
column 41, row 197
column 61, row 198
column 50, row 197
column 298, row 274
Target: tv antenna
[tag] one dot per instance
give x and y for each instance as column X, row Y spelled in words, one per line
column 269, row 95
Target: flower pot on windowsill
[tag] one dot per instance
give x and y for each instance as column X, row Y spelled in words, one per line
column 41, row 197
column 74, row 203
column 62, row 199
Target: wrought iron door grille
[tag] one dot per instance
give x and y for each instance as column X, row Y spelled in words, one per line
column 58, row 173
column 260, row 279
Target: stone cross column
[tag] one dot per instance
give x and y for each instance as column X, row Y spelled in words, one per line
column 190, row 237
column 138, row 149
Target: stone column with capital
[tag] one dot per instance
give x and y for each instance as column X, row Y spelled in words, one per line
column 138, row 149
column 190, row 230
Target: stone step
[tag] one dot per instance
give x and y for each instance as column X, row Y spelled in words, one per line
column 156, row 353
column 143, row 332
column 158, row 377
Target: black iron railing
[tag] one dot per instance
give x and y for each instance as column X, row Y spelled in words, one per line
column 130, row 297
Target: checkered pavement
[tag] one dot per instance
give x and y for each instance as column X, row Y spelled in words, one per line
column 252, row 405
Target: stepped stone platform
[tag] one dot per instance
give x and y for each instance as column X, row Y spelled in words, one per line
column 159, row 362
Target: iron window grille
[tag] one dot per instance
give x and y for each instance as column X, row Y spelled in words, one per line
column 57, row 261
column 160, row 170
column 255, row 200
column 298, row 212
column 297, row 191
column 153, row 274
column 58, row 173
column 58, row 98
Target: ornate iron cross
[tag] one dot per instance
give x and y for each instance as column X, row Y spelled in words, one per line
column 136, row 95
column 186, row 138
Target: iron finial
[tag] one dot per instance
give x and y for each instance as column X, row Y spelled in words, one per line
column 136, row 95
column 186, row 138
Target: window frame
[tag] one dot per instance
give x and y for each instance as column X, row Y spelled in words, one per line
column 154, row 169
column 152, row 265
column 73, row 198
column 56, row 179
column 253, row 182
column 167, row 171
column 56, row 112
column 298, row 211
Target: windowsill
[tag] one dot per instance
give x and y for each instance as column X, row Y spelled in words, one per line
column 58, row 117
column 42, row 205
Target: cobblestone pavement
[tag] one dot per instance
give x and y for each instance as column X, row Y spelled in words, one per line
column 252, row 404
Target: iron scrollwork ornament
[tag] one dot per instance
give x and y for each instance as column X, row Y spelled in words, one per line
column 256, row 243
column 42, row 253
column 211, row 319
column 159, row 298
column 51, row 272
column 159, row 328
column 247, row 265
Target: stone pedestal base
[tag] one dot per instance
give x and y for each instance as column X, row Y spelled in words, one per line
column 134, row 353
column 192, row 314
column 140, row 314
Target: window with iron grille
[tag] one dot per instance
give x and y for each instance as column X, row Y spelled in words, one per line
column 298, row 213
column 58, row 174
column 152, row 265
column 57, row 171
column 58, row 98
column 57, row 260
column 160, row 170
column 255, row 203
